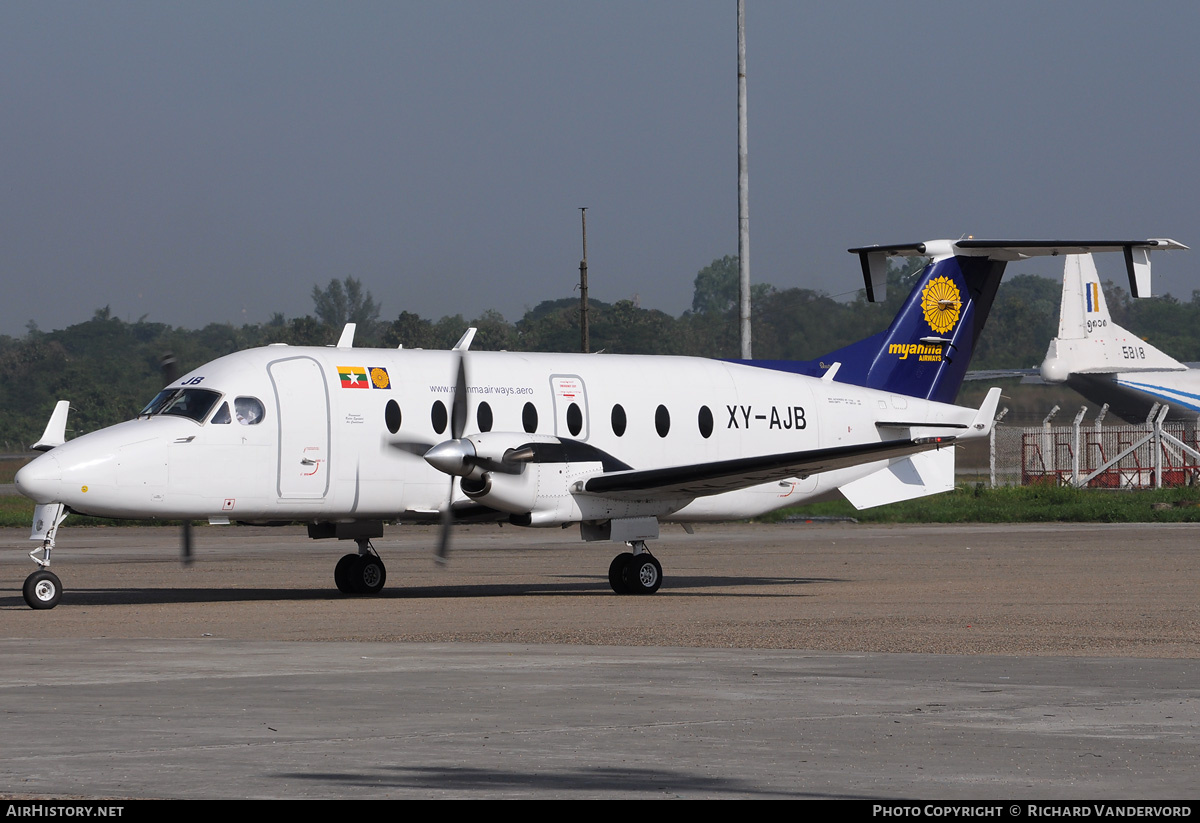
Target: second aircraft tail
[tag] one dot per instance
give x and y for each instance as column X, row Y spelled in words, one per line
column 1088, row 341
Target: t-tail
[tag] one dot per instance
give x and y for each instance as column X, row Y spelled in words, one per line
column 927, row 348
column 1088, row 341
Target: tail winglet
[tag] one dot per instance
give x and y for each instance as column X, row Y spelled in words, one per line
column 981, row 425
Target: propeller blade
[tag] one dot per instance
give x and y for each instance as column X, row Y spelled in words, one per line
column 417, row 447
column 186, row 544
column 443, row 547
column 451, row 456
column 458, row 405
column 169, row 367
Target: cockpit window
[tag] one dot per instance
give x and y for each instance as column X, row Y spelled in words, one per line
column 194, row 404
column 222, row 415
column 248, row 410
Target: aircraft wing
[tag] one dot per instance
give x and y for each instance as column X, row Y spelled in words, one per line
column 1002, row 374
column 703, row 479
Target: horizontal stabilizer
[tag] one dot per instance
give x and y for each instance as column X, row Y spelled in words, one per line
column 1137, row 255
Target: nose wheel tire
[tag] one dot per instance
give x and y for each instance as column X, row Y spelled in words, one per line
column 42, row 589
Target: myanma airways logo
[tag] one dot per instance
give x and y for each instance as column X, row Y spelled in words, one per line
column 941, row 303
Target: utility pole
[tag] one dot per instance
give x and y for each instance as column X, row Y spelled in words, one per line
column 743, row 187
column 584, row 342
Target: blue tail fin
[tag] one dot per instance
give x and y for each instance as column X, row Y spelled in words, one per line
column 925, row 351
column 927, row 348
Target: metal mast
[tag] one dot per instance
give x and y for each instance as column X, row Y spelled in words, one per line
column 743, row 187
column 584, row 342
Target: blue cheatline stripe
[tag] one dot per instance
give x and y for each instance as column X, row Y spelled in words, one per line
column 1090, row 307
column 1163, row 393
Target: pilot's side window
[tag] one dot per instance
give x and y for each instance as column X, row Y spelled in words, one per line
column 222, row 415
column 248, row 411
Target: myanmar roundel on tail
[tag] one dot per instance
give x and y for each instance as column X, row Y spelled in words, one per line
column 941, row 302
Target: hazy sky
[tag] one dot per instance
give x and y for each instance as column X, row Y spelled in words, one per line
column 212, row 161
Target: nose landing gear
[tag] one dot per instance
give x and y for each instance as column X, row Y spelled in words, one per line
column 43, row 589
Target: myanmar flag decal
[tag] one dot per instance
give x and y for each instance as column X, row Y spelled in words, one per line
column 353, row 377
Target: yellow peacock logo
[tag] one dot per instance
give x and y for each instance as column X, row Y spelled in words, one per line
column 942, row 304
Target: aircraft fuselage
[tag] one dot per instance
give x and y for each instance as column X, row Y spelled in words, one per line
column 340, row 433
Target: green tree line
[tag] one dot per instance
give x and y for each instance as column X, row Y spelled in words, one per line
column 109, row 368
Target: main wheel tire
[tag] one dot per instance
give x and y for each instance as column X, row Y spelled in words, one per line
column 643, row 574
column 367, row 575
column 42, row 589
column 616, row 572
column 341, row 573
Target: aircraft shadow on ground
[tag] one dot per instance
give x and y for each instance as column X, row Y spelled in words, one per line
column 664, row 782
column 690, row 586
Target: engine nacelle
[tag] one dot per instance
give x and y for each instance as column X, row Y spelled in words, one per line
column 539, row 480
column 518, row 473
column 1055, row 368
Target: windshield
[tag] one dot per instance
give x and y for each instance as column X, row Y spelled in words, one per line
column 191, row 403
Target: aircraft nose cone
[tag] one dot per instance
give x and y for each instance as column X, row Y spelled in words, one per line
column 451, row 456
column 40, row 480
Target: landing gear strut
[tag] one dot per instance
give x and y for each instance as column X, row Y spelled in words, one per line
column 361, row 573
column 636, row 572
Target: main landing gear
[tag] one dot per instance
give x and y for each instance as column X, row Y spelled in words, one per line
column 635, row 572
column 361, row 573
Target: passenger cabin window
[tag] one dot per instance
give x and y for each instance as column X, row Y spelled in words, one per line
column 662, row 421
column 438, row 416
column 529, row 418
column 391, row 416
column 483, row 416
column 618, row 420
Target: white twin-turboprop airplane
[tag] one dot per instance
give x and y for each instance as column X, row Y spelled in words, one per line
column 345, row 439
